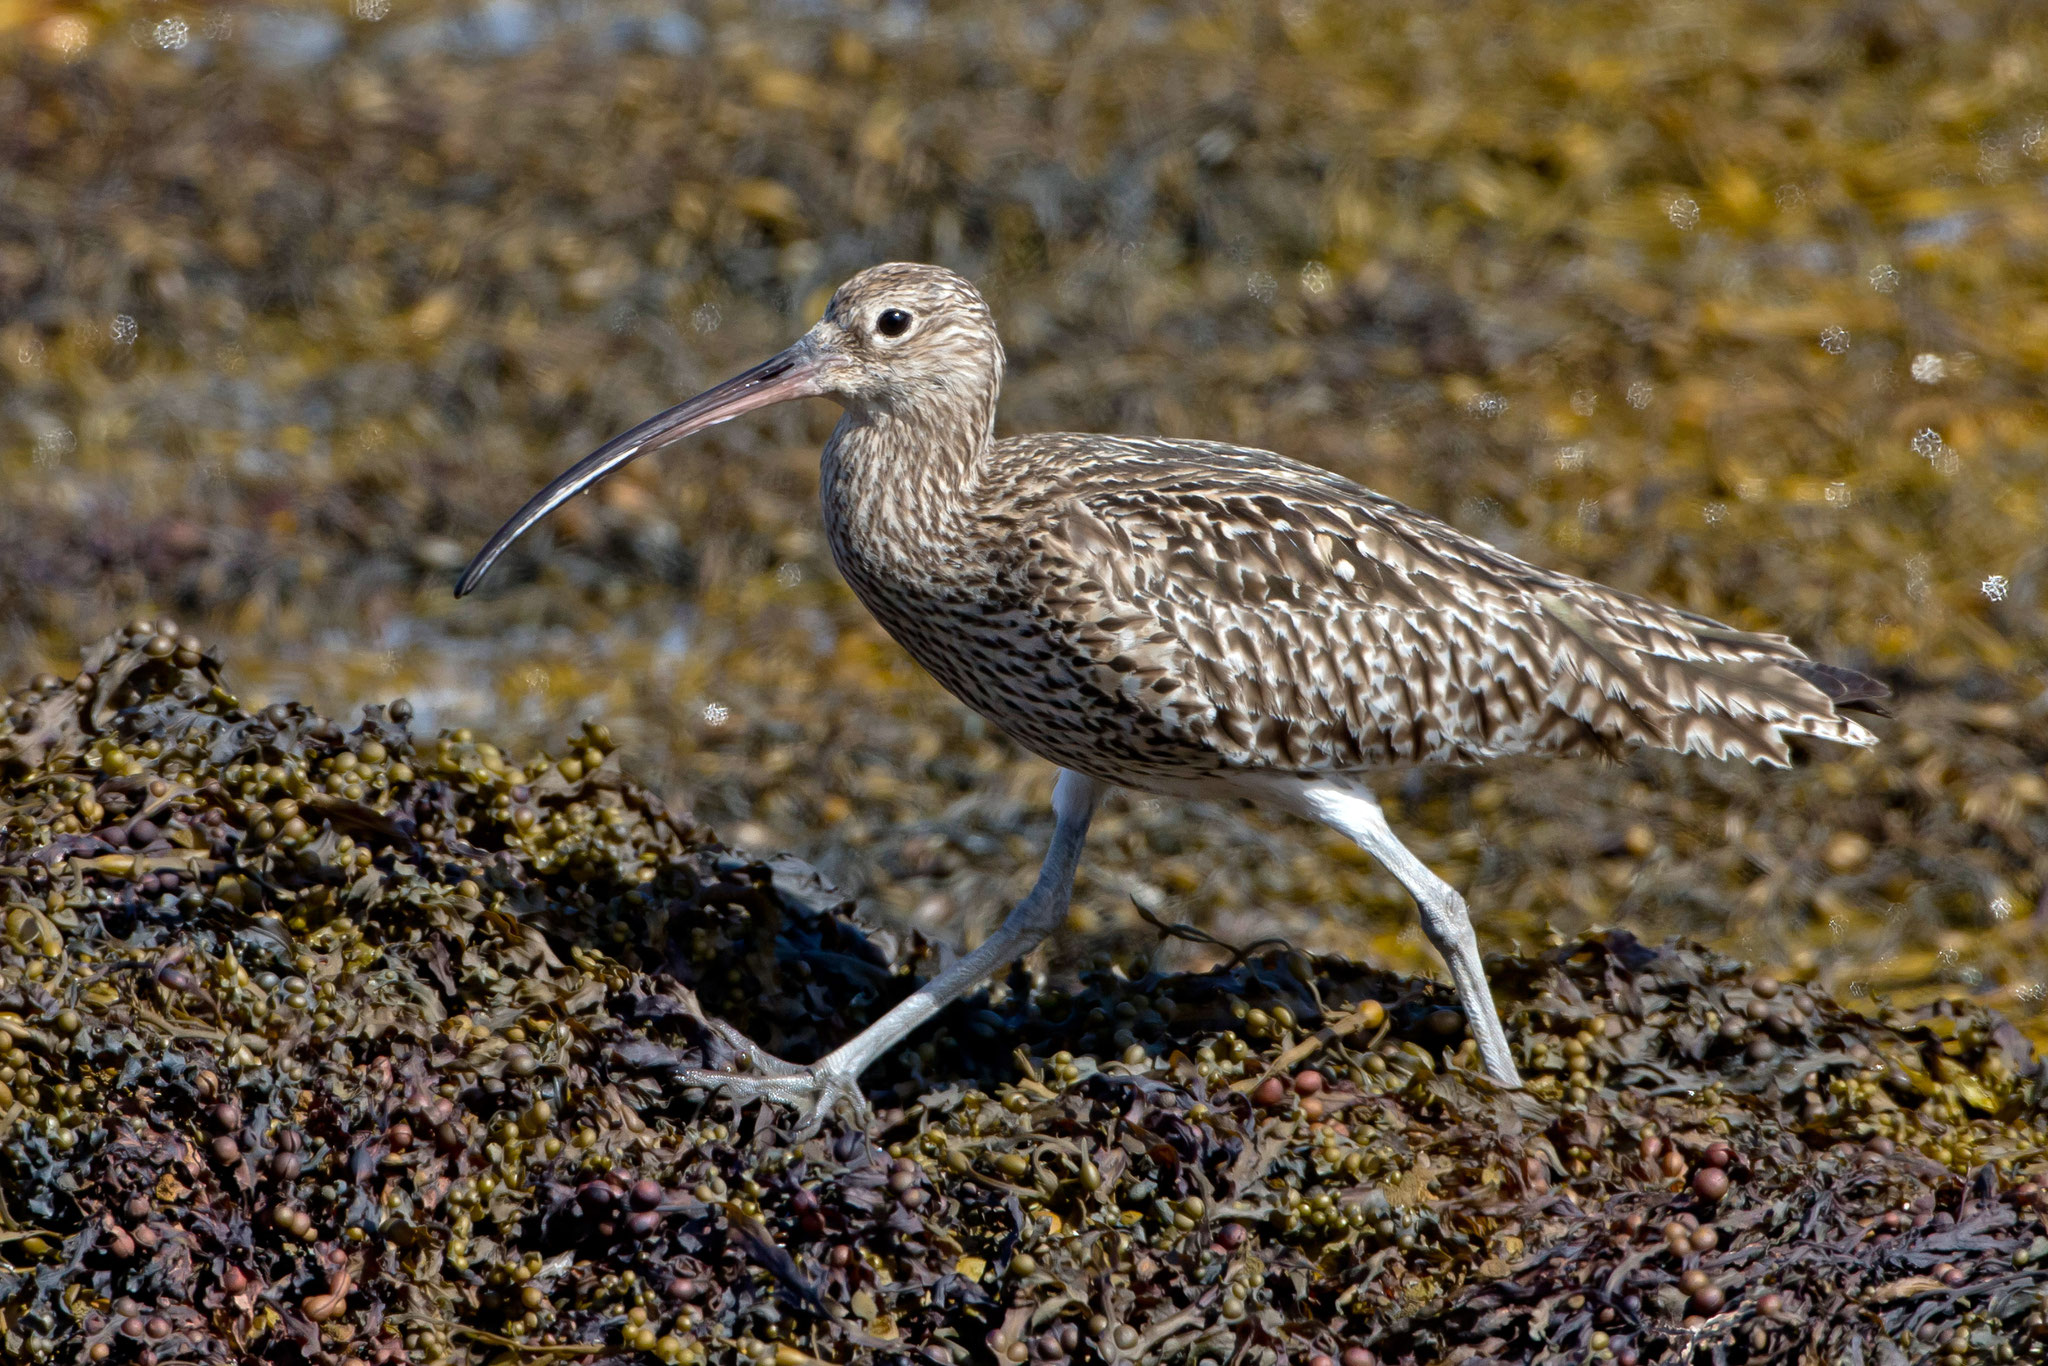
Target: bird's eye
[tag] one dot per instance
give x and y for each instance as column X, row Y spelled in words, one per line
column 892, row 322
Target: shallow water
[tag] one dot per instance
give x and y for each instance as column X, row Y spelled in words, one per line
column 1739, row 305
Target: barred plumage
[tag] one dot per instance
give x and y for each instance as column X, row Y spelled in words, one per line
column 1187, row 617
column 1239, row 610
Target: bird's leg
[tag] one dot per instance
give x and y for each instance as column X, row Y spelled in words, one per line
column 1352, row 809
column 833, row 1082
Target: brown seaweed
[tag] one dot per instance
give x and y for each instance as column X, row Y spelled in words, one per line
column 351, row 1044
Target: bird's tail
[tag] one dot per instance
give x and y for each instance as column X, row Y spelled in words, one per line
column 1847, row 689
column 1635, row 672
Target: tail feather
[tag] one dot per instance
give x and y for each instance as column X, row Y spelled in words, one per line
column 1644, row 674
column 1847, row 689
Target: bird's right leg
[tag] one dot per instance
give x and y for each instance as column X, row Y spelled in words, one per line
column 833, row 1082
column 1351, row 808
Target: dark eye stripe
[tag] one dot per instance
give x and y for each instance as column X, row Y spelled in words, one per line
column 892, row 322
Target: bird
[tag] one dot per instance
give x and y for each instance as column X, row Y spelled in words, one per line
column 1192, row 619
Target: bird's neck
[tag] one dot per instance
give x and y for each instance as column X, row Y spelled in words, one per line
column 894, row 483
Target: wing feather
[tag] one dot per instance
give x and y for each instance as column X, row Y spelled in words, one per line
column 1285, row 617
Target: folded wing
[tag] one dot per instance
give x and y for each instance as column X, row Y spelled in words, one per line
column 1303, row 622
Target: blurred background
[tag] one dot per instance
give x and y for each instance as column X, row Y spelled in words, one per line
column 1744, row 305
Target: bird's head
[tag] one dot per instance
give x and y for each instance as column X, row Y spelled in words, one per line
column 903, row 337
column 913, row 341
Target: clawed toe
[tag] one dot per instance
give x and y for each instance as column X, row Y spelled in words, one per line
column 814, row 1092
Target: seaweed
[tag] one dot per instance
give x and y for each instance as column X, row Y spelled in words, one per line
column 354, row 1044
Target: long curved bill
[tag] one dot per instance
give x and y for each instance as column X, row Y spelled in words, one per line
column 793, row 374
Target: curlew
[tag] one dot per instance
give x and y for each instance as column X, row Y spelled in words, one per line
column 1195, row 619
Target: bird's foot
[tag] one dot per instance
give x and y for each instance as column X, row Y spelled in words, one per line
column 815, row 1092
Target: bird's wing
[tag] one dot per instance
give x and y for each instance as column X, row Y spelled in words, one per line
column 1286, row 617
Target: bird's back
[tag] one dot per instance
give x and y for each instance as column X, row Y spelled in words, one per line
column 1153, row 611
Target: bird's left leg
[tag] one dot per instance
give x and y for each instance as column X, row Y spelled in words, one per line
column 833, row 1082
column 1350, row 807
